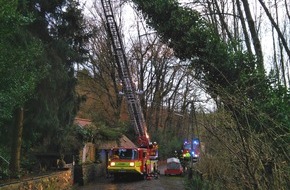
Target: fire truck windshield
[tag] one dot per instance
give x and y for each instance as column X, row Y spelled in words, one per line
column 187, row 146
column 125, row 154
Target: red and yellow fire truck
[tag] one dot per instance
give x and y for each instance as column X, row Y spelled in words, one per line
column 131, row 161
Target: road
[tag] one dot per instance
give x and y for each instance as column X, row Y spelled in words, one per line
column 162, row 183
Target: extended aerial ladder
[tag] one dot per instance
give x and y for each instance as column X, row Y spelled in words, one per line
column 134, row 107
column 148, row 152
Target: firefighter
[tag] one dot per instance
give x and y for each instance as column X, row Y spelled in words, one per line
column 115, row 155
column 155, row 170
column 175, row 154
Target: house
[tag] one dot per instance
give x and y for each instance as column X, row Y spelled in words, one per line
column 88, row 153
column 105, row 148
column 90, row 150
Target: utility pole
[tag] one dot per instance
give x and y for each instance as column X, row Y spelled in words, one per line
column 191, row 138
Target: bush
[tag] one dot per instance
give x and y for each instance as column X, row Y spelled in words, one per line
column 198, row 183
column 4, row 169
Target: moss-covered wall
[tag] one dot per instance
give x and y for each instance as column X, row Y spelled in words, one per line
column 62, row 180
column 57, row 180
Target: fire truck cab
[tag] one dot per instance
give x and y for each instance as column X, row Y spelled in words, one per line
column 130, row 161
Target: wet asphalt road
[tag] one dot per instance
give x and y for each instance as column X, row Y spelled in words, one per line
column 162, row 183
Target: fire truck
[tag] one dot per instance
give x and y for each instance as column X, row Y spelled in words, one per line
column 191, row 149
column 143, row 159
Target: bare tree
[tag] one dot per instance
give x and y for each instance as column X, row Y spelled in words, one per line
column 250, row 152
column 280, row 36
column 255, row 36
column 98, row 77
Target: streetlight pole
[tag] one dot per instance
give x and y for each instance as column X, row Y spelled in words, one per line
column 191, row 138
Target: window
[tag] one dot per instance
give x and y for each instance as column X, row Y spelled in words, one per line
column 128, row 154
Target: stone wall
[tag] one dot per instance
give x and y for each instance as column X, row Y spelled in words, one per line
column 57, row 180
column 86, row 173
column 62, row 180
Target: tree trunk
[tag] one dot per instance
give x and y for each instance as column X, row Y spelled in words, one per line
column 14, row 166
column 224, row 26
column 243, row 23
column 255, row 38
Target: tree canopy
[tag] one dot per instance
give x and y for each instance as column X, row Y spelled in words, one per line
column 20, row 54
column 40, row 43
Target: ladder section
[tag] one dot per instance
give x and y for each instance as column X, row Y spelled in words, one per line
column 134, row 106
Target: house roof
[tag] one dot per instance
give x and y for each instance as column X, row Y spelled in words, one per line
column 125, row 142
column 122, row 142
column 82, row 122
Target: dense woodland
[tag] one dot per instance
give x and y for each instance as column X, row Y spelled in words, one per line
column 217, row 70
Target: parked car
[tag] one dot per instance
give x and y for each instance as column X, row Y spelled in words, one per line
column 173, row 167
